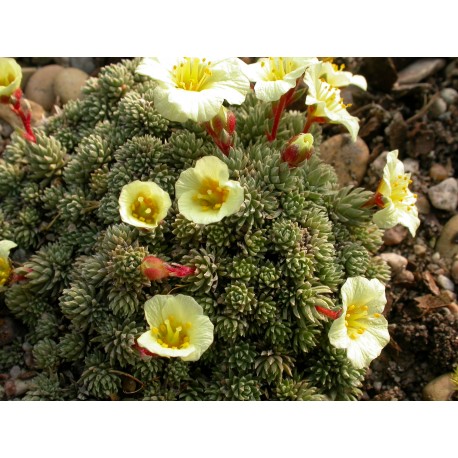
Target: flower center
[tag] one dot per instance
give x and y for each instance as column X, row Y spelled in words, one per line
column 5, row 271
column 7, row 79
column 145, row 209
column 356, row 320
column 211, row 195
column 192, row 74
column 331, row 96
column 279, row 67
column 400, row 192
column 171, row 334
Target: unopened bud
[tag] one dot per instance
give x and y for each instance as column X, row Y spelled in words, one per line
column 157, row 269
column 224, row 120
column 154, row 268
column 298, row 149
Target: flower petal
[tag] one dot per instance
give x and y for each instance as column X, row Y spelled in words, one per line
column 148, row 340
column 5, row 247
column 212, row 167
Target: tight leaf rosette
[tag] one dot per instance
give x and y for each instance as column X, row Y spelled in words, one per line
column 205, row 194
column 178, row 328
column 398, row 201
column 195, row 88
column 10, row 76
column 143, row 204
column 361, row 328
column 325, row 103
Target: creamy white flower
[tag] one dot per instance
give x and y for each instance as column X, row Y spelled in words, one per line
column 178, row 328
column 5, row 264
column 336, row 77
column 10, row 76
column 205, row 194
column 325, row 101
column 399, row 200
column 195, row 88
column 361, row 329
column 275, row 76
column 143, row 204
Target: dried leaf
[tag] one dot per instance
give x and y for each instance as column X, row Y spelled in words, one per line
column 430, row 302
column 430, row 282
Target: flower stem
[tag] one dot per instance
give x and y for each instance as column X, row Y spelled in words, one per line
column 25, row 117
column 225, row 148
column 375, row 201
column 311, row 119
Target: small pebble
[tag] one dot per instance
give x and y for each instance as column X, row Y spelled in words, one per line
column 450, row 95
column 397, row 262
column 349, row 158
column 377, row 386
column 15, row 371
column 419, row 250
column 447, row 243
column 395, row 235
column 439, row 389
column 438, row 172
column 68, row 84
column 423, row 205
column 444, row 195
column 436, row 257
column 40, row 87
column 420, row 70
column 454, row 271
column 16, row 387
column 406, row 276
column 438, row 107
column 445, row 282
column 411, row 165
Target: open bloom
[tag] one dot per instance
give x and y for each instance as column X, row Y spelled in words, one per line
column 399, row 201
column 178, row 328
column 275, row 76
column 205, row 194
column 10, row 76
column 143, row 204
column 324, row 101
column 5, row 264
column 336, row 77
column 195, row 88
column 361, row 328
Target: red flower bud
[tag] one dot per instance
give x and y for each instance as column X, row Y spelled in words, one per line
column 157, row 269
column 329, row 313
column 298, row 149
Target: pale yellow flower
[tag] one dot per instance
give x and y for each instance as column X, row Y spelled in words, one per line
column 10, row 76
column 205, row 194
column 275, row 76
column 361, row 328
column 143, row 204
column 178, row 328
column 324, row 101
column 399, row 201
column 336, row 77
column 5, row 264
column 195, row 88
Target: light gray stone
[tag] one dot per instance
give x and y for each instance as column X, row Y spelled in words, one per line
column 444, row 195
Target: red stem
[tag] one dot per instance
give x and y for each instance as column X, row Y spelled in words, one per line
column 278, row 112
column 224, row 148
column 26, row 118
